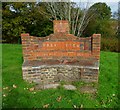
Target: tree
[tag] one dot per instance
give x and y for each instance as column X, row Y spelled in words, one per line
column 12, row 15
column 101, row 23
column 23, row 18
column 77, row 16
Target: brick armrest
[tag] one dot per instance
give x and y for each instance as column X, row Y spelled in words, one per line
column 96, row 45
column 26, row 46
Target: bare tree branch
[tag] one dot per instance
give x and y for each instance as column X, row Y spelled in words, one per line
column 71, row 11
column 83, row 18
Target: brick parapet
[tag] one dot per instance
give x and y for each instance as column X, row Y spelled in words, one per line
column 61, row 26
column 96, row 40
column 35, row 47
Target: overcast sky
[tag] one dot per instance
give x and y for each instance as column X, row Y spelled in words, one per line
column 96, row 0
column 112, row 3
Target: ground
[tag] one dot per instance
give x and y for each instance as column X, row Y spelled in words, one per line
column 17, row 93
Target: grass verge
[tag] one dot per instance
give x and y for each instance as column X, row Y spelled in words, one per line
column 16, row 92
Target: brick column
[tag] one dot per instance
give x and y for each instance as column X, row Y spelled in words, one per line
column 25, row 46
column 61, row 26
column 96, row 45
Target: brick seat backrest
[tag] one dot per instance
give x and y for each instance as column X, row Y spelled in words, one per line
column 60, row 45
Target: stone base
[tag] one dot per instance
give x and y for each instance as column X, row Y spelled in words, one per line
column 47, row 86
column 50, row 74
column 54, row 86
column 88, row 89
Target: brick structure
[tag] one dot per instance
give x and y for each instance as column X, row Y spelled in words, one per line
column 60, row 56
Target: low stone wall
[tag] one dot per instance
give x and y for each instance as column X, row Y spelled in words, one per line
column 56, row 73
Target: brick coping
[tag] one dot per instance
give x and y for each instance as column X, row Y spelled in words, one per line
column 33, row 66
column 68, row 66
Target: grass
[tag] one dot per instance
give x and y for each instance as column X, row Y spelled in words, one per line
column 20, row 96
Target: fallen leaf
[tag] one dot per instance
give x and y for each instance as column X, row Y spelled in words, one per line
column 14, row 86
column 69, row 101
column 9, row 90
column 31, row 89
column 5, row 88
column 81, row 106
column 113, row 95
column 46, row 106
column 59, row 99
column 74, row 106
column 4, row 95
column 34, row 92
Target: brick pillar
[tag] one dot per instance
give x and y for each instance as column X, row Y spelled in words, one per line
column 61, row 26
column 96, row 45
column 25, row 46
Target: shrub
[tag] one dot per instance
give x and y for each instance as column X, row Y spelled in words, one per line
column 110, row 44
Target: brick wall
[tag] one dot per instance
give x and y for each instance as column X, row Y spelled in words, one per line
column 62, row 46
column 35, row 48
column 61, row 26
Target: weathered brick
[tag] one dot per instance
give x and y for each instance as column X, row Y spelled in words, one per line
column 62, row 47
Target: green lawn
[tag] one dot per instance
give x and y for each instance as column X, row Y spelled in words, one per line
column 20, row 97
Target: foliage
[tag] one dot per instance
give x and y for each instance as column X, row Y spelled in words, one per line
column 110, row 44
column 16, row 93
column 23, row 18
column 101, row 23
column 102, row 10
column 12, row 21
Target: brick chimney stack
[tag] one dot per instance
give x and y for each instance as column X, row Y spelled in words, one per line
column 61, row 26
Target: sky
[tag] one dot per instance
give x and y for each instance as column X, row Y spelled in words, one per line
column 112, row 3
column 113, row 6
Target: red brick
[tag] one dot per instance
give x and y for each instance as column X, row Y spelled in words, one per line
column 33, row 47
column 61, row 26
column 25, row 34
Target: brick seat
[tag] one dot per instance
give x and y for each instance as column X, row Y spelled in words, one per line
column 35, row 63
column 60, row 56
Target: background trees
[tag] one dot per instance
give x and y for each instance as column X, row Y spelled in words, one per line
column 100, row 23
column 23, row 17
column 13, row 21
column 36, row 19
